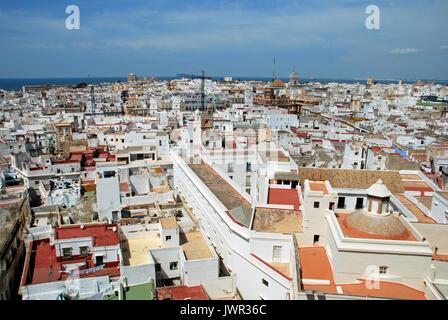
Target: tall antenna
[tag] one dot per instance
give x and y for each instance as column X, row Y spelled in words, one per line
column 203, row 91
column 273, row 71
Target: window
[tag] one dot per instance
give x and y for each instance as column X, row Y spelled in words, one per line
column 67, row 252
column 316, row 204
column 265, row 282
column 277, row 253
column 84, row 251
column 248, row 166
column 230, row 167
column 359, row 203
column 173, row 265
column 167, row 238
column 341, row 203
column 99, row 260
column 383, row 269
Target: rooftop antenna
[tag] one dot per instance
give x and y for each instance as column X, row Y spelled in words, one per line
column 273, row 71
column 203, row 90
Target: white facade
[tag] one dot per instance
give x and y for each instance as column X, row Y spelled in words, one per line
column 242, row 250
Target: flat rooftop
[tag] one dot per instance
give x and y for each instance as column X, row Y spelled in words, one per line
column 168, row 223
column 277, row 221
column 194, row 246
column 315, row 265
column 181, row 293
column 410, row 177
column 225, row 193
column 102, row 234
column 44, row 266
column 284, row 197
column 416, row 185
column 416, row 211
column 135, row 249
column 388, row 290
column 282, row 268
column 318, row 186
column 426, row 201
column 443, row 194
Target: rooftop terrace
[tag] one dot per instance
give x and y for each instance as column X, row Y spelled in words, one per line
column 194, row 246
column 135, row 249
column 44, row 266
column 277, row 221
column 318, row 186
column 316, row 266
column 284, row 197
column 181, row 293
column 416, row 211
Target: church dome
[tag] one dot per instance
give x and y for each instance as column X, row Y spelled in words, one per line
column 381, row 225
column 278, row 84
column 379, row 190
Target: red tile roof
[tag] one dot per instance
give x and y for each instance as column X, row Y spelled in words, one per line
column 76, row 157
column 43, row 266
column 284, row 197
column 181, row 293
column 102, row 234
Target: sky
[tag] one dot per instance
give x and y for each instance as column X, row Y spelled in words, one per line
column 321, row 38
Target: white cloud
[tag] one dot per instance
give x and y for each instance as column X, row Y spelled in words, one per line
column 404, row 51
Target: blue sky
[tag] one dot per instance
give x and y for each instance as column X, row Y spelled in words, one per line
column 323, row 38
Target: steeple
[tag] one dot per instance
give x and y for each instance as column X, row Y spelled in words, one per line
column 293, row 78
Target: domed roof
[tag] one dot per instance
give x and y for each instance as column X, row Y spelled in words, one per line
column 379, row 190
column 384, row 225
column 278, row 84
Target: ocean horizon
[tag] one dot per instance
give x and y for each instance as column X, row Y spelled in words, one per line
column 14, row 84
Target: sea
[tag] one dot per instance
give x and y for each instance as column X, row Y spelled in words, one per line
column 18, row 84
